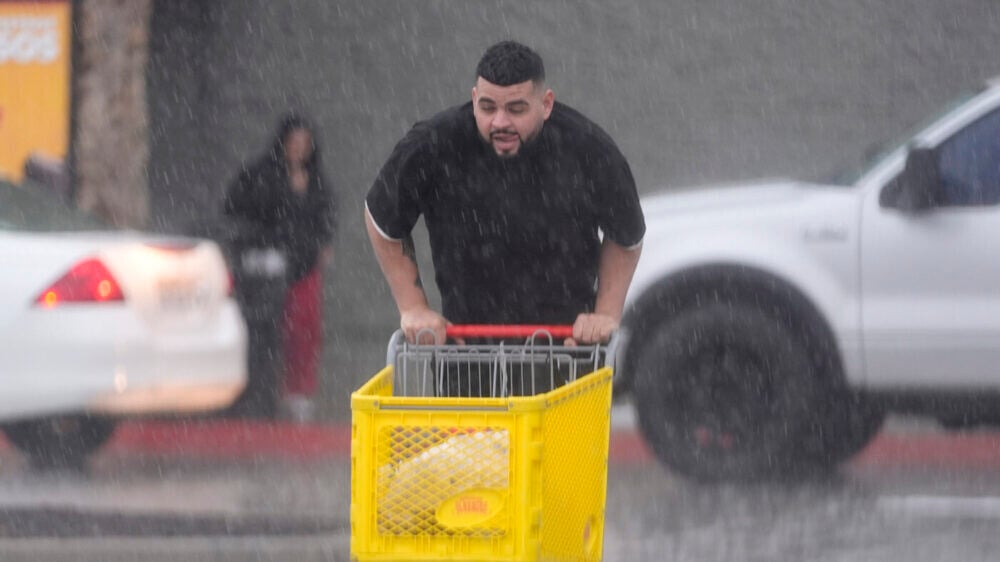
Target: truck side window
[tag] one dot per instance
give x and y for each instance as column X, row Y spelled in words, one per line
column 970, row 165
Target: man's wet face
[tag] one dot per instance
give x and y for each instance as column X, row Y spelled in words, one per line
column 510, row 116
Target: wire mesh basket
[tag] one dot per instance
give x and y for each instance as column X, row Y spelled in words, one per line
column 494, row 367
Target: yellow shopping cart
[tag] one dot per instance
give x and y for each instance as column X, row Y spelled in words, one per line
column 487, row 452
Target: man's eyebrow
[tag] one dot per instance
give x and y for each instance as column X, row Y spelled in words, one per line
column 517, row 102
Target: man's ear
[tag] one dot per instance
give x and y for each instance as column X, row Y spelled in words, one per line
column 474, row 94
column 548, row 100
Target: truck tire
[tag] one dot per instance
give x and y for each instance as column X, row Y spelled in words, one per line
column 726, row 392
column 60, row 441
column 848, row 421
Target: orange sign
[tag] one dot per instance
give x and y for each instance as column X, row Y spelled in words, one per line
column 34, row 82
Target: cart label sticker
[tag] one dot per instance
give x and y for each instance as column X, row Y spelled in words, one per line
column 470, row 508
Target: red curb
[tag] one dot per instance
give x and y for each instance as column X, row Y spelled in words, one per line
column 232, row 439
column 239, row 439
column 957, row 450
column 628, row 447
column 247, row 439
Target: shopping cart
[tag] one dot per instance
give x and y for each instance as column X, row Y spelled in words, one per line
column 491, row 452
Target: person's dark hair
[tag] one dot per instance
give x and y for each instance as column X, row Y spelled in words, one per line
column 289, row 122
column 508, row 63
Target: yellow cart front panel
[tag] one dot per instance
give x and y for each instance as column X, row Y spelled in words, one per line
column 487, row 479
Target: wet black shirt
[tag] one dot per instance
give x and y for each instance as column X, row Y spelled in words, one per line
column 513, row 240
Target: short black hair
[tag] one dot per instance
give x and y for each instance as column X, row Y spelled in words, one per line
column 508, row 63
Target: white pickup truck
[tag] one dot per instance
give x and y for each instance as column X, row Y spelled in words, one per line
column 770, row 327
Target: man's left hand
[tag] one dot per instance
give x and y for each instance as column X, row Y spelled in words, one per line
column 593, row 328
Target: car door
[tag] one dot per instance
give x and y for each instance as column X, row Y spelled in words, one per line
column 931, row 279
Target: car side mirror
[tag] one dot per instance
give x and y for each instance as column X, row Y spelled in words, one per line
column 918, row 186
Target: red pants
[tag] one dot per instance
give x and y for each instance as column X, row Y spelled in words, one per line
column 303, row 334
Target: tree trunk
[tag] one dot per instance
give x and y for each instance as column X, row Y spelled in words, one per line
column 111, row 148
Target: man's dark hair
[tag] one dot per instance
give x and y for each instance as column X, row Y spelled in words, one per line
column 508, row 63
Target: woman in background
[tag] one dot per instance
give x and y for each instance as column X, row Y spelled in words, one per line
column 285, row 199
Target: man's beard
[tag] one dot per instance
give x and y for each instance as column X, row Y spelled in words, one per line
column 519, row 148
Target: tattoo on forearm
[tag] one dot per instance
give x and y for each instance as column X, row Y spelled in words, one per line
column 410, row 251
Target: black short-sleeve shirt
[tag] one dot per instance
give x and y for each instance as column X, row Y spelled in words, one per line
column 514, row 240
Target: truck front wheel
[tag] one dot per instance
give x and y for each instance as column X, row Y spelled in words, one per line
column 725, row 391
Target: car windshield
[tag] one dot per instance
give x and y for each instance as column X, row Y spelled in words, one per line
column 849, row 174
column 29, row 207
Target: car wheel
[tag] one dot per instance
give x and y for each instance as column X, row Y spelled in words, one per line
column 727, row 392
column 60, row 441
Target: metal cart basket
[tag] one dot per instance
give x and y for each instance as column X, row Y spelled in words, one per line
column 493, row 451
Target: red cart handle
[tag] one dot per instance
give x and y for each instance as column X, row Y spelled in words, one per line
column 507, row 331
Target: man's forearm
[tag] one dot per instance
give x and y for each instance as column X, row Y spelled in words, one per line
column 617, row 265
column 399, row 265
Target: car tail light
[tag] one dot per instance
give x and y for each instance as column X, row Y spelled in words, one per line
column 87, row 281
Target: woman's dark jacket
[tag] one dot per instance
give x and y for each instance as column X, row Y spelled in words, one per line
column 261, row 199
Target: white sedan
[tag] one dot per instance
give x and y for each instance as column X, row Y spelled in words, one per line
column 98, row 324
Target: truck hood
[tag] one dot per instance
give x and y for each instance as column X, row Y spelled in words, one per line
column 743, row 203
column 712, row 198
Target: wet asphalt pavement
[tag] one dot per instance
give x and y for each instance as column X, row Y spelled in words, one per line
column 913, row 498
column 881, row 514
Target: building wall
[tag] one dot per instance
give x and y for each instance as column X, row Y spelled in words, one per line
column 694, row 92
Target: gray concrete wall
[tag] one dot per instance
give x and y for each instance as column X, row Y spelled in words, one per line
column 694, row 92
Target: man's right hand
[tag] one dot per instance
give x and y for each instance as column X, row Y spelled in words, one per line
column 426, row 323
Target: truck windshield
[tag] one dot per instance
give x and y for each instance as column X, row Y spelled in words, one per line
column 849, row 174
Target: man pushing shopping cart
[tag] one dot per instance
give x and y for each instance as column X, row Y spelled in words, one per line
column 516, row 190
column 486, row 435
